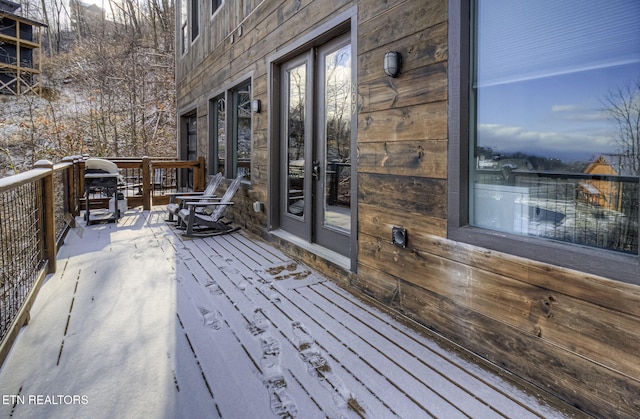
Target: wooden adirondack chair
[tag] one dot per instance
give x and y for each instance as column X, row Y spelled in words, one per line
column 209, row 221
column 176, row 200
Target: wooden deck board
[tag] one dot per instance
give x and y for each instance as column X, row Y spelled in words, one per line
column 401, row 344
column 239, row 330
column 421, row 384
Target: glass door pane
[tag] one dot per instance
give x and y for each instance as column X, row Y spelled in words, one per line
column 220, row 133
column 296, row 96
column 242, row 131
column 337, row 142
column 191, row 149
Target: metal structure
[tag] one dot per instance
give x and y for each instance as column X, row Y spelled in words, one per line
column 20, row 46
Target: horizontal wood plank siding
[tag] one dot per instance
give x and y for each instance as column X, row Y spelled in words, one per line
column 421, row 122
column 407, row 158
column 570, row 333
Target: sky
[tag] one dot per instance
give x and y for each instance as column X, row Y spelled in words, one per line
column 544, row 94
column 99, row 3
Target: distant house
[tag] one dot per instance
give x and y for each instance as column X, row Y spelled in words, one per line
column 20, row 44
column 607, row 192
column 367, row 132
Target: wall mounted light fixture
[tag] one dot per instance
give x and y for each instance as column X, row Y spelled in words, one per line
column 399, row 236
column 392, row 63
column 256, row 106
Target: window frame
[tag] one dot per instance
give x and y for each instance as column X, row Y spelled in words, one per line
column 606, row 263
column 194, row 31
column 231, row 129
column 232, row 124
column 214, row 140
column 216, row 5
column 184, row 27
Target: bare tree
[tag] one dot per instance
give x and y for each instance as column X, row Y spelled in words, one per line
column 111, row 88
column 623, row 107
column 45, row 16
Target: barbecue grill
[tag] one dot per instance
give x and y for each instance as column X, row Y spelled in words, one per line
column 101, row 176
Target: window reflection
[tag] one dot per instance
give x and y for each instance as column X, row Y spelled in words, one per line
column 337, row 165
column 242, row 131
column 220, row 130
column 184, row 36
column 553, row 156
column 296, row 99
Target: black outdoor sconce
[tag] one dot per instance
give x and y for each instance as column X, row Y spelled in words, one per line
column 392, row 63
column 399, row 236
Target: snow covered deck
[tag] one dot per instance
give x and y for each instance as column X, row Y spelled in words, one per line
column 138, row 322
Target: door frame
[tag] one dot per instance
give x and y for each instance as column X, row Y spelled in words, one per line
column 345, row 22
column 298, row 225
column 324, row 234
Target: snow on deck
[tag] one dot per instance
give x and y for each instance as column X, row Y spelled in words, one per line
column 138, row 322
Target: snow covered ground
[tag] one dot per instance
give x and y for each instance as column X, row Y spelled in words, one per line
column 139, row 323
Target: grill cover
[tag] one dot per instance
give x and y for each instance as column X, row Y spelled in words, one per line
column 95, row 165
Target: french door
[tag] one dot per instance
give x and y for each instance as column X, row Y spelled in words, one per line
column 315, row 131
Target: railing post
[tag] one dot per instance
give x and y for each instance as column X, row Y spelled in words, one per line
column 199, row 175
column 80, row 181
column 70, row 190
column 48, row 217
column 77, row 191
column 146, row 183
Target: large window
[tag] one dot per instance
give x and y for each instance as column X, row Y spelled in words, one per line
column 551, row 137
column 184, row 27
column 195, row 19
column 215, row 5
column 230, row 134
column 218, row 137
column 241, row 129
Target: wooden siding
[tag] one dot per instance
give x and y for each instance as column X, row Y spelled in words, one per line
column 570, row 333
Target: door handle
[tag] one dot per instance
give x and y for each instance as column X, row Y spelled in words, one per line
column 316, row 170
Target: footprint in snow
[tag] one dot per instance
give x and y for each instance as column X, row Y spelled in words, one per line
column 303, row 338
column 318, row 365
column 260, row 319
column 214, row 288
column 229, row 270
column 270, row 361
column 210, row 319
column 270, row 345
column 282, row 404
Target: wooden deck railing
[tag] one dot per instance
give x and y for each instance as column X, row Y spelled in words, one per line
column 38, row 207
column 150, row 180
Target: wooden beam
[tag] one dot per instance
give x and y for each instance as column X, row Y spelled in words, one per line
column 146, row 182
column 49, row 221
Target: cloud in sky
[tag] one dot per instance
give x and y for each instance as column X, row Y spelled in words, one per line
column 578, row 113
column 569, row 146
column 566, row 108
